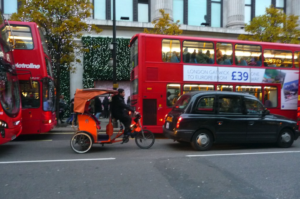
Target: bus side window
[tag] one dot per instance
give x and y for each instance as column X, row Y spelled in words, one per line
column 278, row 58
column 271, row 96
column 170, row 50
column 224, row 53
column 247, row 55
column 173, row 92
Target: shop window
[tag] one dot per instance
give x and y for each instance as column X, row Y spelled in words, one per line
column 173, row 92
column 224, row 53
column 271, row 96
column 198, row 52
column 171, row 50
column 278, row 58
column 253, row 90
column 247, row 55
column 224, row 88
column 297, row 59
column 197, row 87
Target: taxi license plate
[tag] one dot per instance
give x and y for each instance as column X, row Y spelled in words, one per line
column 167, row 125
column 169, row 119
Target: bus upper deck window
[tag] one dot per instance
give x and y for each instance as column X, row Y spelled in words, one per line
column 171, row 50
column 224, row 53
column 198, row 52
column 278, row 58
column 21, row 38
column 248, row 55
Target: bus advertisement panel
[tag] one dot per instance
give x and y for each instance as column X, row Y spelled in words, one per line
column 165, row 67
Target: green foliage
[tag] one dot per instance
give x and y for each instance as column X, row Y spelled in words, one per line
column 62, row 22
column 274, row 26
column 96, row 57
column 165, row 25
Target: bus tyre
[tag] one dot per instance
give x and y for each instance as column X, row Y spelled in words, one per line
column 285, row 138
column 202, row 140
column 145, row 141
column 81, row 142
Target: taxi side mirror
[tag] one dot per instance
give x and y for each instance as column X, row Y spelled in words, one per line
column 265, row 112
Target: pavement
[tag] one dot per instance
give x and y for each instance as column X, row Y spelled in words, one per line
column 64, row 127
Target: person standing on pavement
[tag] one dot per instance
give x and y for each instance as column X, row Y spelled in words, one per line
column 62, row 107
column 118, row 110
column 105, row 105
column 98, row 107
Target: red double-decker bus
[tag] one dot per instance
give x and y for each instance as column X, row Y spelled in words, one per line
column 34, row 69
column 10, row 105
column 165, row 67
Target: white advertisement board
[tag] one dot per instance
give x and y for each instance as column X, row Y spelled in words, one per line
column 289, row 79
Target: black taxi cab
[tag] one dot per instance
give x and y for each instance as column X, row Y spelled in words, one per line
column 204, row 118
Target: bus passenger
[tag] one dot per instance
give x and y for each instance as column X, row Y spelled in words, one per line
column 210, row 60
column 243, row 62
column 186, row 56
column 226, row 60
column 174, row 58
column 258, row 60
column 193, row 57
column 201, row 58
column 219, row 56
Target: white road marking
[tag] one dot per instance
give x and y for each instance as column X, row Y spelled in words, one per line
column 47, row 161
column 235, row 154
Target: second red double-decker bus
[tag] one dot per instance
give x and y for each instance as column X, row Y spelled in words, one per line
column 165, row 67
column 34, row 69
column 10, row 105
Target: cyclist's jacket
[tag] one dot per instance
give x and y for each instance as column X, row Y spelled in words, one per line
column 118, row 107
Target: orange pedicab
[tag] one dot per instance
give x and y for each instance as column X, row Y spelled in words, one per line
column 88, row 131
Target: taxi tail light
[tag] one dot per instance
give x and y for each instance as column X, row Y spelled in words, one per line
column 178, row 122
column 165, row 118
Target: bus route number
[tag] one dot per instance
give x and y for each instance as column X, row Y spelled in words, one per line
column 238, row 75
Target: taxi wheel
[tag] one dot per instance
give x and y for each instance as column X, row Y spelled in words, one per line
column 285, row 139
column 202, row 140
column 81, row 142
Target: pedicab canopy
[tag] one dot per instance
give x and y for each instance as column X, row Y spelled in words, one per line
column 82, row 96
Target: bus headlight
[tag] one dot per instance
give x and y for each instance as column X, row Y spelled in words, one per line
column 3, row 124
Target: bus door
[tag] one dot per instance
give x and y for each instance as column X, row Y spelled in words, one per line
column 31, row 106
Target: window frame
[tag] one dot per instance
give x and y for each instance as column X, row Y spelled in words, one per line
column 273, row 2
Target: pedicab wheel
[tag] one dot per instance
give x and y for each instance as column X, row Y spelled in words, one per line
column 81, row 142
column 145, row 141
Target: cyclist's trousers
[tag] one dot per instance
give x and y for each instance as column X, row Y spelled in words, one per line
column 126, row 120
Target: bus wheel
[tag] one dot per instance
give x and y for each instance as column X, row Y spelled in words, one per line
column 202, row 140
column 81, row 142
column 285, row 139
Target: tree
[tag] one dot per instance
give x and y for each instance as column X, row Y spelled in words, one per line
column 165, row 25
column 274, row 26
column 62, row 22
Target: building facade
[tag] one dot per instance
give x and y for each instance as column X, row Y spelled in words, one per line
column 199, row 18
